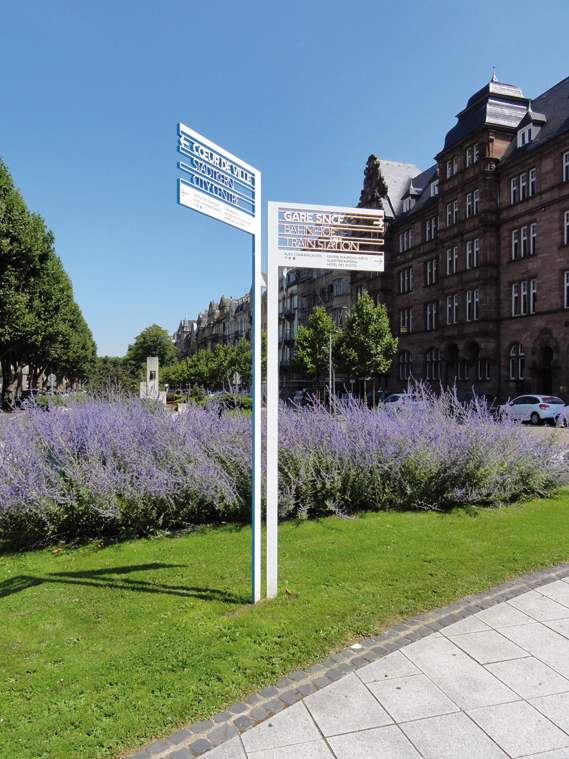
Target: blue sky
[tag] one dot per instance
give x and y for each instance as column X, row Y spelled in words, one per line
column 91, row 95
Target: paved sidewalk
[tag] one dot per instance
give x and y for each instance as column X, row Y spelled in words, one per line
column 486, row 678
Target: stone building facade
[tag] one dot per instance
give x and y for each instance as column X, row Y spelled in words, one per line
column 477, row 265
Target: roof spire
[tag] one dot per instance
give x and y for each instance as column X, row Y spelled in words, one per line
column 494, row 77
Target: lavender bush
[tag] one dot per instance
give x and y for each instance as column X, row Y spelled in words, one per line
column 126, row 466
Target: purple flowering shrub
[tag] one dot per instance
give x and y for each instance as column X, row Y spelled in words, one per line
column 434, row 455
column 125, row 466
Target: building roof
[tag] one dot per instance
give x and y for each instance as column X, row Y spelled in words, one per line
column 550, row 111
column 421, row 184
column 496, row 104
column 397, row 175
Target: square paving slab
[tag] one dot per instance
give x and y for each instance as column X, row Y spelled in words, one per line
column 487, row 647
column 390, row 666
column 519, row 729
column 346, row 706
column 379, row 743
column 409, row 698
column 453, row 736
column 463, row 680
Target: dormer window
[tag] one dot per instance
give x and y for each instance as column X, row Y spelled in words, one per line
column 434, row 188
column 407, row 204
column 524, row 136
column 529, row 127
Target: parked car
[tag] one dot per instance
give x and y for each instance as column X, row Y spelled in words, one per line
column 534, row 408
column 380, row 395
column 472, row 400
column 403, row 400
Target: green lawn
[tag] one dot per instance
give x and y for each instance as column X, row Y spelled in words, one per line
column 105, row 648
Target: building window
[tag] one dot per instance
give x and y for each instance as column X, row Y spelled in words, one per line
column 566, row 228
column 469, row 306
column 515, row 300
column 524, row 242
column 427, row 230
column 455, row 165
column 359, row 291
column 524, row 137
column 433, row 227
column 432, row 316
column 472, row 253
column 432, row 272
column 449, row 214
column 514, row 190
column 468, row 205
column 406, row 205
column 524, row 298
column 405, row 365
column 434, row 188
column 472, row 305
column 462, row 370
column 475, row 153
column 449, row 169
column 517, row 362
column 532, row 182
column 406, row 320
column 566, row 167
column 475, row 201
column 433, row 364
column 566, row 288
column 406, row 280
column 468, row 156
column 515, row 244
column 533, row 295
column 523, row 186
column 338, row 287
column 483, row 369
column 455, row 212
column 532, row 239
column 452, row 309
column 452, row 260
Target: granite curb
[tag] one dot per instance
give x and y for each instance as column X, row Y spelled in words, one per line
column 198, row 738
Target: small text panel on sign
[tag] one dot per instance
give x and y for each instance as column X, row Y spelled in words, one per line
column 217, row 183
column 330, row 237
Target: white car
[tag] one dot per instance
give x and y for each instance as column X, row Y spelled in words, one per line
column 534, row 408
column 403, row 400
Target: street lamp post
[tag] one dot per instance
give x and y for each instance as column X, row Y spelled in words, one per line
column 330, row 392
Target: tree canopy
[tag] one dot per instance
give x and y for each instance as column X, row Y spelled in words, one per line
column 366, row 346
column 152, row 341
column 312, row 345
column 41, row 326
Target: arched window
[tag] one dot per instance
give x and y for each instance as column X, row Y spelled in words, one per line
column 517, row 361
column 433, row 364
column 404, row 365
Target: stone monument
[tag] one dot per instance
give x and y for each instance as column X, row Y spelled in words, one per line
column 151, row 388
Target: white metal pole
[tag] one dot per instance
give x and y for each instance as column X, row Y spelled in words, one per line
column 330, row 374
column 272, row 400
column 256, row 505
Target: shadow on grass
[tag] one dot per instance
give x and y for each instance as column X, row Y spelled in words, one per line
column 105, row 578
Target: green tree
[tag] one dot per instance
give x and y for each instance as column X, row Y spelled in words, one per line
column 312, row 346
column 152, row 341
column 366, row 346
column 40, row 323
column 111, row 373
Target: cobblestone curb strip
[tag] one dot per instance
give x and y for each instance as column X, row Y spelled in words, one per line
column 197, row 739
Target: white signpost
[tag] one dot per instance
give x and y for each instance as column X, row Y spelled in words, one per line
column 222, row 186
column 314, row 237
